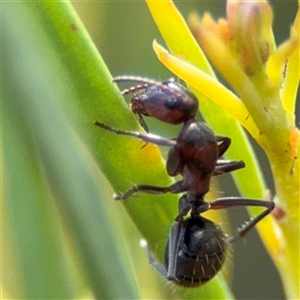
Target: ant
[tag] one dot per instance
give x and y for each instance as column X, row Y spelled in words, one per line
column 196, row 248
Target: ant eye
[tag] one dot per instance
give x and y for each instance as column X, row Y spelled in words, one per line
column 172, row 103
column 196, row 249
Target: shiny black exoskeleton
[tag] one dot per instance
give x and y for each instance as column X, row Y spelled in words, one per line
column 196, row 248
column 201, row 252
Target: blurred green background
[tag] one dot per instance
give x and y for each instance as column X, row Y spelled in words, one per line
column 123, row 33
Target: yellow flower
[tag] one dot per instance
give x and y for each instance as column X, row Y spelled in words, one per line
column 265, row 79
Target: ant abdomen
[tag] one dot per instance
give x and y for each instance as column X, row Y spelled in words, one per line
column 201, row 253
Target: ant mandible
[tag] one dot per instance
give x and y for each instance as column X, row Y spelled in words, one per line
column 196, row 249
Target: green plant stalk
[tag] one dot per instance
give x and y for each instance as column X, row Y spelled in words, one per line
column 278, row 136
column 65, row 229
column 286, row 176
column 61, row 86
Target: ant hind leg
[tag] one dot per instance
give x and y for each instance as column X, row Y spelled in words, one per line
column 228, row 202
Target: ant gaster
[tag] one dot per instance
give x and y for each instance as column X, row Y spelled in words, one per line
column 196, row 247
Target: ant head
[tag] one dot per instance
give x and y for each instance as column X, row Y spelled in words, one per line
column 167, row 101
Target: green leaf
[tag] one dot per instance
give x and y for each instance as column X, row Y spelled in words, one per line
column 66, row 237
column 181, row 43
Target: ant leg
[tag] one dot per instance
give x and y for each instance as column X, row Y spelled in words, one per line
column 143, row 123
column 225, row 166
column 152, row 261
column 149, row 189
column 148, row 138
column 237, row 201
column 135, row 79
column 175, row 188
column 173, row 248
column 225, row 143
column 171, row 254
column 184, row 206
column 134, row 89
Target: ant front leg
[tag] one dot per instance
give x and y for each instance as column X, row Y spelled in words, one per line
column 237, row 201
column 148, row 138
column 143, row 123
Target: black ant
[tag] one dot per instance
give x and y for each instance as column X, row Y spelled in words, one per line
column 196, row 248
